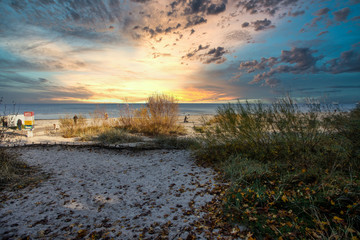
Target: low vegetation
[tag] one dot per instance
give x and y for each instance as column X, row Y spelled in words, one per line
column 293, row 174
column 15, row 174
column 86, row 129
column 9, row 166
column 117, row 136
column 173, row 142
column 158, row 117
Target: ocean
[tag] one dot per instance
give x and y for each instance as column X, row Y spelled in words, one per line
column 56, row 111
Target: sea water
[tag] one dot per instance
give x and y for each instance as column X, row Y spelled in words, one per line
column 56, row 111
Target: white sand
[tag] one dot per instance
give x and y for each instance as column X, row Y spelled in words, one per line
column 120, row 192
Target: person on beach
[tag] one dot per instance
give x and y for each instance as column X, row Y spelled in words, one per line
column 106, row 116
column 19, row 124
column 186, row 118
column 75, row 119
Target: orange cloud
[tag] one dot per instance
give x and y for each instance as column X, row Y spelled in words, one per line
column 199, row 95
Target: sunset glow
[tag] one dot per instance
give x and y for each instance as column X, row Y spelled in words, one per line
column 196, row 50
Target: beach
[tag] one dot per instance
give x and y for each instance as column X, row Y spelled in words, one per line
column 119, row 193
column 48, row 130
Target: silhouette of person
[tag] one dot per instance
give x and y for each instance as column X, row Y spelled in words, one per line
column 75, row 119
column 186, row 119
column 19, row 124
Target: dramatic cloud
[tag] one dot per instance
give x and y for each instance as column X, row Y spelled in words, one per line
column 297, row 13
column 40, row 89
column 204, row 6
column 245, row 24
column 216, row 9
column 323, row 17
column 302, row 58
column 186, row 47
column 265, row 6
column 342, row 14
column 349, row 61
column 254, row 65
column 262, row 24
column 215, row 55
column 296, row 61
column 300, row 61
column 322, row 11
column 195, row 20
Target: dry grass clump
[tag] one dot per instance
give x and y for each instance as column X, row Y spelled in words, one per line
column 157, row 118
column 15, row 174
column 9, row 166
column 86, row 130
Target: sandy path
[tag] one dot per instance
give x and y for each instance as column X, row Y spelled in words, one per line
column 124, row 195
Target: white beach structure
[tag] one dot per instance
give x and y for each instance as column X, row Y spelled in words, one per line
column 13, row 118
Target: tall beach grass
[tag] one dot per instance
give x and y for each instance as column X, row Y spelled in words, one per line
column 294, row 174
column 158, row 117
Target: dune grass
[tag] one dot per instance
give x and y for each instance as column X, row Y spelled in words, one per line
column 293, row 175
column 85, row 129
column 9, row 166
column 157, row 118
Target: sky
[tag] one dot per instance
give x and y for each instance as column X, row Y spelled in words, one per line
column 114, row 51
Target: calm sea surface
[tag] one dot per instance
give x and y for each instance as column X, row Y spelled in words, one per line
column 56, row 111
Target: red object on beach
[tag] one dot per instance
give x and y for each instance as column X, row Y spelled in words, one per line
column 28, row 114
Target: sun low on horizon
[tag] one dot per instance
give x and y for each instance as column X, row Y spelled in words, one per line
column 203, row 51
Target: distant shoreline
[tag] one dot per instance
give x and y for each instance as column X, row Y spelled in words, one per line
column 57, row 111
